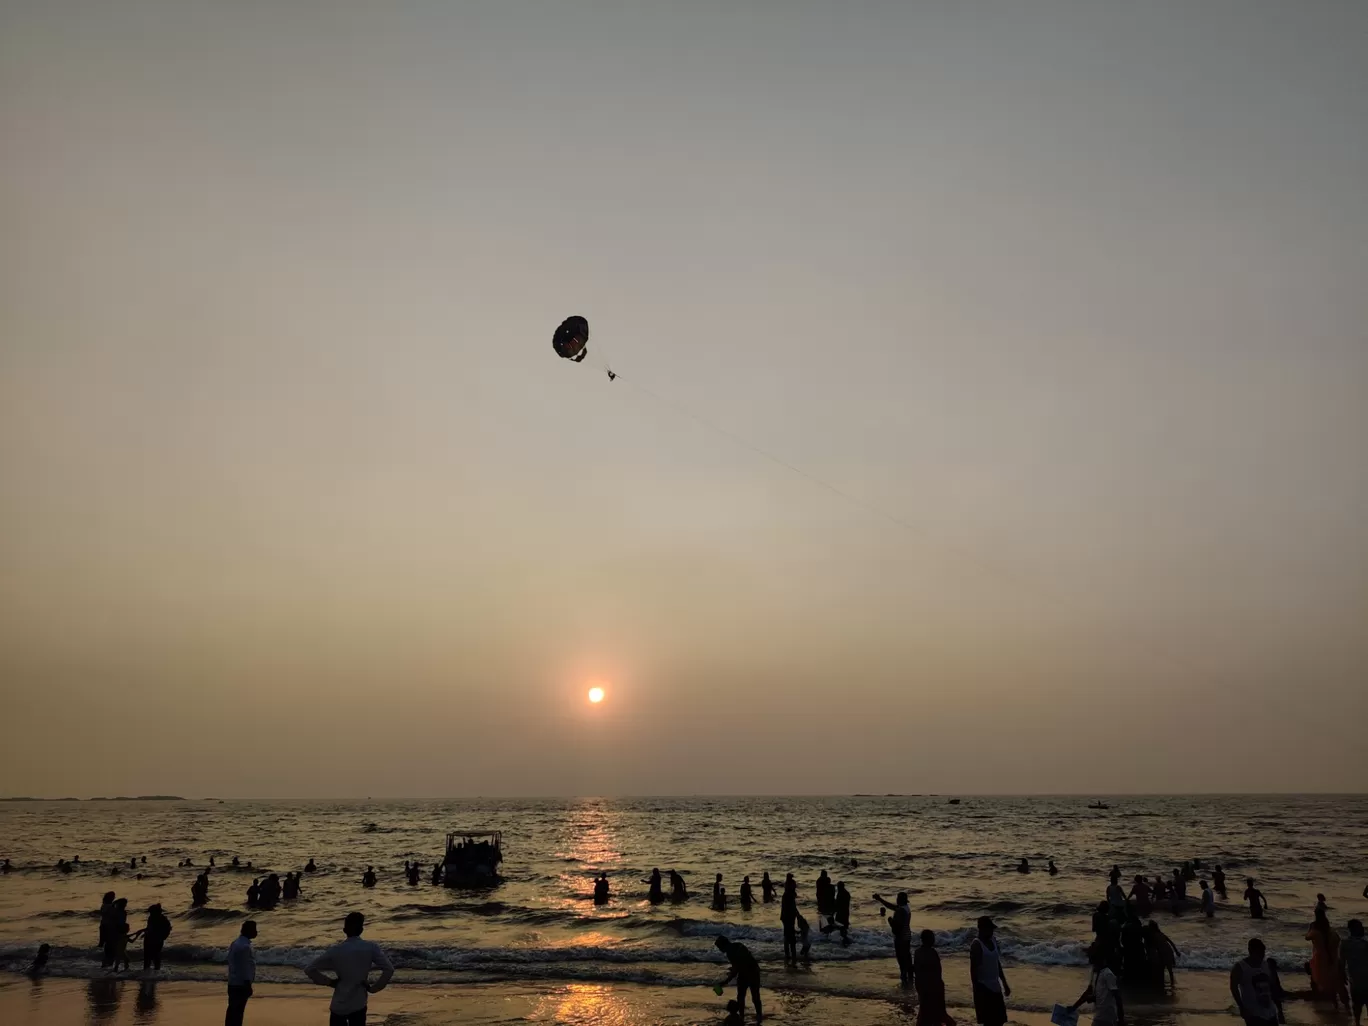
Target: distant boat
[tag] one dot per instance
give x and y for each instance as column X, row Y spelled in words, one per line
column 1099, row 805
column 953, row 801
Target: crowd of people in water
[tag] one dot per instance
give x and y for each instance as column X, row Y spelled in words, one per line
column 1129, row 950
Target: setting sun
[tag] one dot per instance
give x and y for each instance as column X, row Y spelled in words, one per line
column 596, row 695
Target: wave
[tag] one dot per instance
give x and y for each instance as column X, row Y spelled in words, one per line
column 658, row 963
column 211, row 915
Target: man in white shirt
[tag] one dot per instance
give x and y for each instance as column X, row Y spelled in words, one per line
column 1104, row 991
column 241, row 973
column 352, row 961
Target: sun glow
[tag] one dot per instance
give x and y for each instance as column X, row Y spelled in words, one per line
column 596, row 695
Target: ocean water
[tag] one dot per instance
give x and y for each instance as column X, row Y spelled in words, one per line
column 957, row 862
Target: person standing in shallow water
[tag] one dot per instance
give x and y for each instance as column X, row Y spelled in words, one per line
column 654, row 892
column 766, row 888
column 154, row 936
column 788, row 917
column 107, row 914
column 826, row 902
column 991, row 989
column 902, row 934
column 1258, row 904
column 747, row 895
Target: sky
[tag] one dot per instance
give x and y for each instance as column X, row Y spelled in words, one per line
column 990, row 415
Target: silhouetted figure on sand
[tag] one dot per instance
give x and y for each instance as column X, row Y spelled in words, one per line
column 1104, row 991
column 352, row 961
column 1354, row 967
column 654, row 892
column 1163, row 954
column 1258, row 904
column 745, row 970
column 926, row 971
column 1255, row 986
column 154, row 936
column 241, row 973
column 991, row 989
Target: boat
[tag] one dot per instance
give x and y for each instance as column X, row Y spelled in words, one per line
column 1099, row 805
column 953, row 801
column 473, row 858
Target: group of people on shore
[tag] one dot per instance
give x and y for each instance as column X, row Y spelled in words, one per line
column 350, row 963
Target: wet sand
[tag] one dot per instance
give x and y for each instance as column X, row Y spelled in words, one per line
column 1202, row 1000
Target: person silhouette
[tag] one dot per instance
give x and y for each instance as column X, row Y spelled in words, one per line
column 352, row 961
column 745, row 970
column 241, row 973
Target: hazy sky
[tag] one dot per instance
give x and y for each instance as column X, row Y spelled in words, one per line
column 295, row 498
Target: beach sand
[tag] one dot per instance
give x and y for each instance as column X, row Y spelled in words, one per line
column 1202, row 1000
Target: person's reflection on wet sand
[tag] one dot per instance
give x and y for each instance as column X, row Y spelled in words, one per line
column 146, row 1008
column 102, row 997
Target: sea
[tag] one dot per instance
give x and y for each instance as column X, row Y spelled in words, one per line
column 956, row 859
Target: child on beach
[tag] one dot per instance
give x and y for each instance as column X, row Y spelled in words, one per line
column 121, row 941
column 40, row 961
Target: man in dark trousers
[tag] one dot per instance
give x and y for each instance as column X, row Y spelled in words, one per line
column 241, row 973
